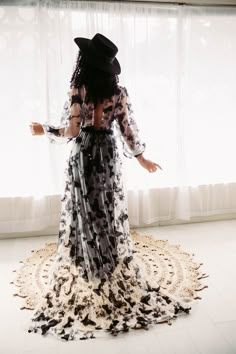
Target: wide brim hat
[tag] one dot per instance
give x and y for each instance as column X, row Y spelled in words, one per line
column 100, row 52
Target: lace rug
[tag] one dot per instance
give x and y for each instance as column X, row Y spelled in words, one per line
column 175, row 270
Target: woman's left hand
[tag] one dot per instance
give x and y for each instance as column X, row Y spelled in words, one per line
column 148, row 164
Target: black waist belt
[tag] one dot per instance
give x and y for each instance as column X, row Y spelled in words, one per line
column 96, row 131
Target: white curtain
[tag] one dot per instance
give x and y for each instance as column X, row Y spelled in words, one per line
column 178, row 64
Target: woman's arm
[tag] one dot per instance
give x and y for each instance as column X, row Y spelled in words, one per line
column 133, row 146
column 69, row 122
column 130, row 132
column 55, row 134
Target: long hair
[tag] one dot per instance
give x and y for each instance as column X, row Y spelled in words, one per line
column 98, row 84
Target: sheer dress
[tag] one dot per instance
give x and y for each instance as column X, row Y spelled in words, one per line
column 97, row 284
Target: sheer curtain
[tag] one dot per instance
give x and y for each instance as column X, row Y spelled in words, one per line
column 178, row 64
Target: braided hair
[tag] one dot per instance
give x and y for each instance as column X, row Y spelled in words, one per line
column 98, row 84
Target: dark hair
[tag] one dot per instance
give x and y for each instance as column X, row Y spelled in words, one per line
column 98, row 84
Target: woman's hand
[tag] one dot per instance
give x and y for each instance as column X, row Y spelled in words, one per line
column 36, row 128
column 147, row 164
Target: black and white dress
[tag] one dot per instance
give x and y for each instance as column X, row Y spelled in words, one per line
column 96, row 284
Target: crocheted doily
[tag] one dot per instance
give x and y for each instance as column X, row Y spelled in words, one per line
column 176, row 272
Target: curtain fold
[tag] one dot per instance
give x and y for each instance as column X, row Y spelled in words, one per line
column 178, row 64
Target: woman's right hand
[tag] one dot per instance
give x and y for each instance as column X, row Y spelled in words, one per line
column 148, row 164
column 36, row 128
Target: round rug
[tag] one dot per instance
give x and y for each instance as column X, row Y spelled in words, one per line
column 176, row 271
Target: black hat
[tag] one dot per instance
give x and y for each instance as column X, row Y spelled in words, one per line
column 100, row 52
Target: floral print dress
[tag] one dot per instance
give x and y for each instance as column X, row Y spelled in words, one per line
column 96, row 283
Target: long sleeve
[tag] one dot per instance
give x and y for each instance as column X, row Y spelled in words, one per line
column 127, row 126
column 69, row 123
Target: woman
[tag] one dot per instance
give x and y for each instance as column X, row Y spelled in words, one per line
column 96, row 282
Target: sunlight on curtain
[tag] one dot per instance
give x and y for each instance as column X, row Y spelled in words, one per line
column 178, row 64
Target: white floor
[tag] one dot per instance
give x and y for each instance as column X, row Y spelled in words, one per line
column 210, row 328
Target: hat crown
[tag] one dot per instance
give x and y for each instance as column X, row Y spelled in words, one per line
column 103, row 46
column 100, row 52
